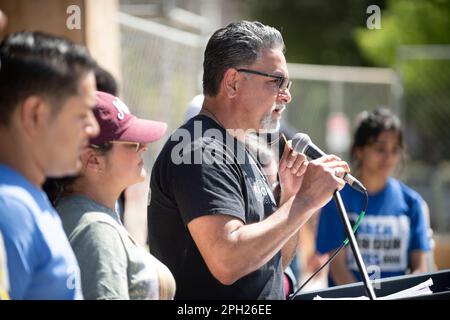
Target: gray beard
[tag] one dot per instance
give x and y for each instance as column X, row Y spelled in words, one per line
column 269, row 124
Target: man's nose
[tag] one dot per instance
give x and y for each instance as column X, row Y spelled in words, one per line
column 92, row 127
column 284, row 96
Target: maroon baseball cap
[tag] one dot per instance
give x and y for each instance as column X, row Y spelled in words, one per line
column 118, row 124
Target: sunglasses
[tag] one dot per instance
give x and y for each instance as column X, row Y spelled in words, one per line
column 135, row 145
column 282, row 82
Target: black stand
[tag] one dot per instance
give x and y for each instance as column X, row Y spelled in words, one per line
column 354, row 245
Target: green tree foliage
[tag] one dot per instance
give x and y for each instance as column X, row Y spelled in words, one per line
column 316, row 31
column 406, row 22
column 426, row 77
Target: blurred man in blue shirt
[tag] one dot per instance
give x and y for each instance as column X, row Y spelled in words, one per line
column 47, row 90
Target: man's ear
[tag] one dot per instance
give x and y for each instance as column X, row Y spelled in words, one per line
column 34, row 114
column 230, row 82
column 358, row 154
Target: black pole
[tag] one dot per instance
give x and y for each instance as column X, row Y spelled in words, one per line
column 354, row 245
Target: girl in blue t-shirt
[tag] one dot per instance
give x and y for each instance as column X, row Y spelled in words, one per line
column 392, row 237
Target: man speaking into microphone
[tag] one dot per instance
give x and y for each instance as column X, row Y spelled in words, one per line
column 212, row 217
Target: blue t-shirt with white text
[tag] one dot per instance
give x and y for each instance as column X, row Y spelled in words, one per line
column 393, row 226
column 41, row 263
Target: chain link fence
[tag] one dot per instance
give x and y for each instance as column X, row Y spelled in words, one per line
column 425, row 71
column 161, row 73
column 161, row 69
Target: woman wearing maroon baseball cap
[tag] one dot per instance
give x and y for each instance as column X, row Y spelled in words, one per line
column 112, row 264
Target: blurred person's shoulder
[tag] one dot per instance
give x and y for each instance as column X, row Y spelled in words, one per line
column 20, row 203
column 80, row 213
column 20, row 223
column 408, row 194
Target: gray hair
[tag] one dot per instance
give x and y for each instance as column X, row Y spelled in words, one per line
column 238, row 44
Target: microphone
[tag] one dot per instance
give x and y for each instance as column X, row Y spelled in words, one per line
column 302, row 143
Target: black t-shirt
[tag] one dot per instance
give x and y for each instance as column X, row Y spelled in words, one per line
column 202, row 170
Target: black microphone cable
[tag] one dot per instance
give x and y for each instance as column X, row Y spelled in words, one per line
column 344, row 244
